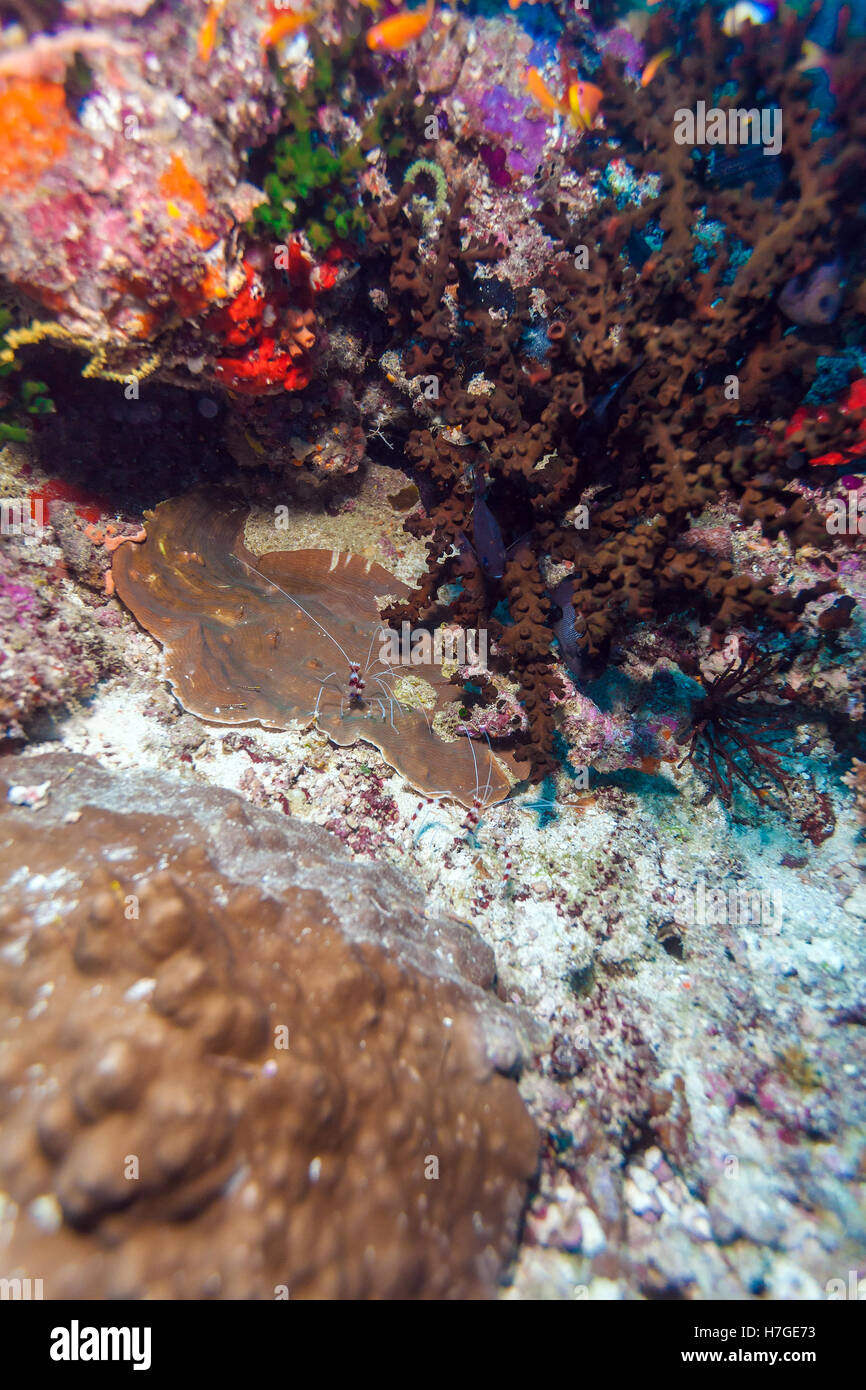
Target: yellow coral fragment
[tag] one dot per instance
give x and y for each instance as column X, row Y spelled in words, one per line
column 40, row 330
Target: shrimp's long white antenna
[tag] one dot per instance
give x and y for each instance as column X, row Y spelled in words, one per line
column 391, row 697
column 474, row 759
column 490, row 770
column 321, row 692
column 252, row 569
column 391, row 674
column 380, row 660
column 370, row 652
column 388, row 672
column 380, row 681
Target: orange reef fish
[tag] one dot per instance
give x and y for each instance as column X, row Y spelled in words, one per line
column 580, row 104
column 584, row 99
column 207, row 32
column 284, row 25
column 397, row 32
column 540, row 92
column 653, row 66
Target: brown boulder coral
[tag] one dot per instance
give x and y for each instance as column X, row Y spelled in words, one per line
column 271, row 638
column 235, row 1064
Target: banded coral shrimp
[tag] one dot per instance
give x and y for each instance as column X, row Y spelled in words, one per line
column 421, row 823
column 369, row 685
column 351, row 690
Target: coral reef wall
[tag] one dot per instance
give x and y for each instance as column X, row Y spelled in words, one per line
column 439, row 431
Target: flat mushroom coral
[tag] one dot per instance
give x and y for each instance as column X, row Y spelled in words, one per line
column 269, row 639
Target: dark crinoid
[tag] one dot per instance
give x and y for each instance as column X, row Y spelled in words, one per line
column 726, row 738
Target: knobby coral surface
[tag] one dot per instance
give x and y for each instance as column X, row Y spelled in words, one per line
column 251, row 1068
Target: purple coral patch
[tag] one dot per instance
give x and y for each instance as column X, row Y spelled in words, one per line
column 506, row 115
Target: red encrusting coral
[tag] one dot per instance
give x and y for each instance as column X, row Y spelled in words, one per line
column 855, row 399
column 37, row 129
column 272, row 325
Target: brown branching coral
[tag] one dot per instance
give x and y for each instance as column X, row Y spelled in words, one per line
column 527, row 643
column 671, row 375
column 235, row 1064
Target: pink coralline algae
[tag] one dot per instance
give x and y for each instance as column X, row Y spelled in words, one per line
column 121, row 226
column 598, row 740
column 51, row 653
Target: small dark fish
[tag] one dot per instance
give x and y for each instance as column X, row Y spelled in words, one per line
column 489, row 545
column 600, row 407
column 579, row 665
column 564, row 626
column 813, row 298
column 638, row 249
column 746, row 164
